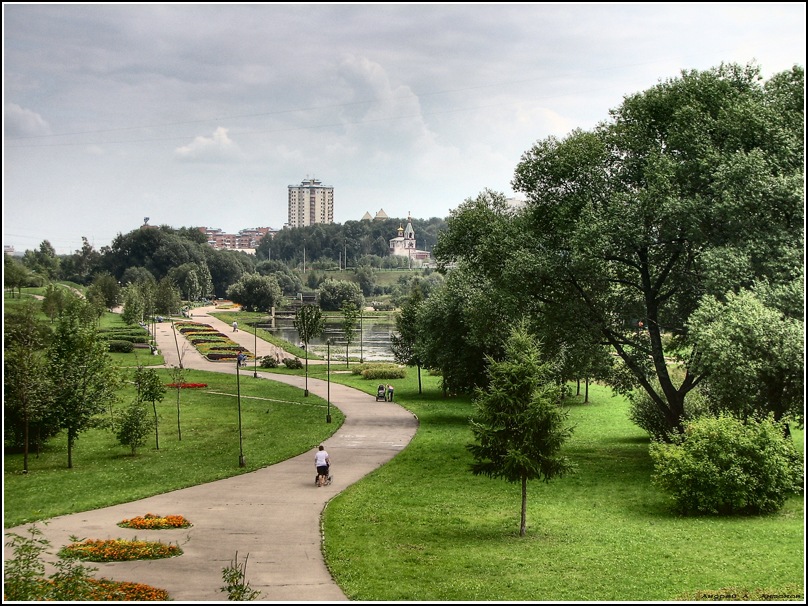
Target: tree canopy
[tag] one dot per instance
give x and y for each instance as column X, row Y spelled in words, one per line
column 692, row 188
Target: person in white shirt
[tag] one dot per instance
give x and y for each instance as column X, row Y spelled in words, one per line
column 322, row 462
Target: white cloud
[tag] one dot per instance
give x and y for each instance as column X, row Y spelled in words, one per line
column 21, row 122
column 216, row 148
column 410, row 108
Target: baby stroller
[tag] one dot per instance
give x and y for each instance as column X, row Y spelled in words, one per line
column 380, row 393
column 328, row 479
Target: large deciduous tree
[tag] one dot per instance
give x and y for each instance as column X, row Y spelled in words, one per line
column 519, row 426
column 333, row 293
column 255, row 292
column 692, row 188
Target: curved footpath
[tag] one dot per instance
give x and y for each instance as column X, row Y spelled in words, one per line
column 272, row 514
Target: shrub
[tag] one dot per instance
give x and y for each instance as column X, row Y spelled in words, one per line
column 268, row 362
column 293, row 363
column 360, row 369
column 235, row 582
column 723, row 465
column 645, row 414
column 134, row 426
column 390, row 371
column 118, row 346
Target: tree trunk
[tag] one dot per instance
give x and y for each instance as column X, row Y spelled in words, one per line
column 156, row 434
column 586, row 397
column 25, row 447
column 179, row 429
column 523, row 523
column 69, row 450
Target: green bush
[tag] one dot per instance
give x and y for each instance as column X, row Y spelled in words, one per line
column 390, row 371
column 723, row 465
column 121, row 346
column 360, row 369
column 268, row 362
column 645, row 414
column 293, row 363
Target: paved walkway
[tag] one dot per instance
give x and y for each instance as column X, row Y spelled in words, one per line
column 272, row 514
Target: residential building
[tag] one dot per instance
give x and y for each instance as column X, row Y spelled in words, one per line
column 310, row 202
column 246, row 239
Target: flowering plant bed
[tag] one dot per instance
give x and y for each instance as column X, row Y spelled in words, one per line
column 155, row 522
column 104, row 590
column 119, row 550
column 211, row 343
column 218, row 356
column 187, row 385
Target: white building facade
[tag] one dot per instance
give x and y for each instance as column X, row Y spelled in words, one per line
column 309, row 203
column 403, row 245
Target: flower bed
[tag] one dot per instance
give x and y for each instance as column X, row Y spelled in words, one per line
column 119, row 550
column 218, row 356
column 155, row 522
column 212, row 344
column 104, row 590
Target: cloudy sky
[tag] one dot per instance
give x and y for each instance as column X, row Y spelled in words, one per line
column 204, row 114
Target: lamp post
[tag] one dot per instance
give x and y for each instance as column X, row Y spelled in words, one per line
column 328, row 374
column 255, row 349
column 304, row 345
column 361, row 335
column 240, row 439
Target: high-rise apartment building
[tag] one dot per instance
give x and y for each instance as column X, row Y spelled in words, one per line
column 309, row 203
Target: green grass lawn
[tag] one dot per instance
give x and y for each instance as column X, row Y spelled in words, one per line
column 422, row 528
column 278, row 422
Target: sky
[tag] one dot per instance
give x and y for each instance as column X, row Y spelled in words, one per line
column 204, row 114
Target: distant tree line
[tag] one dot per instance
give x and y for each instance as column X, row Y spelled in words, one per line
column 183, row 256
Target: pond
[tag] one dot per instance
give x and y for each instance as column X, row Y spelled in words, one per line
column 371, row 344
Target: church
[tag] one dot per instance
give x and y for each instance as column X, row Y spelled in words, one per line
column 404, row 244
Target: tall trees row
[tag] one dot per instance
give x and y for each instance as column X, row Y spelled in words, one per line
column 184, row 256
column 56, row 378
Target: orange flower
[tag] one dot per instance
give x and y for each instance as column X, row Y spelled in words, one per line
column 155, row 522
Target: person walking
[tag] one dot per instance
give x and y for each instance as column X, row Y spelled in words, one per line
column 235, row 326
column 323, row 463
column 389, row 392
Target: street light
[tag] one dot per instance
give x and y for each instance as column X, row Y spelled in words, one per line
column 306, row 349
column 241, row 462
column 328, row 392
column 361, row 335
column 255, row 349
